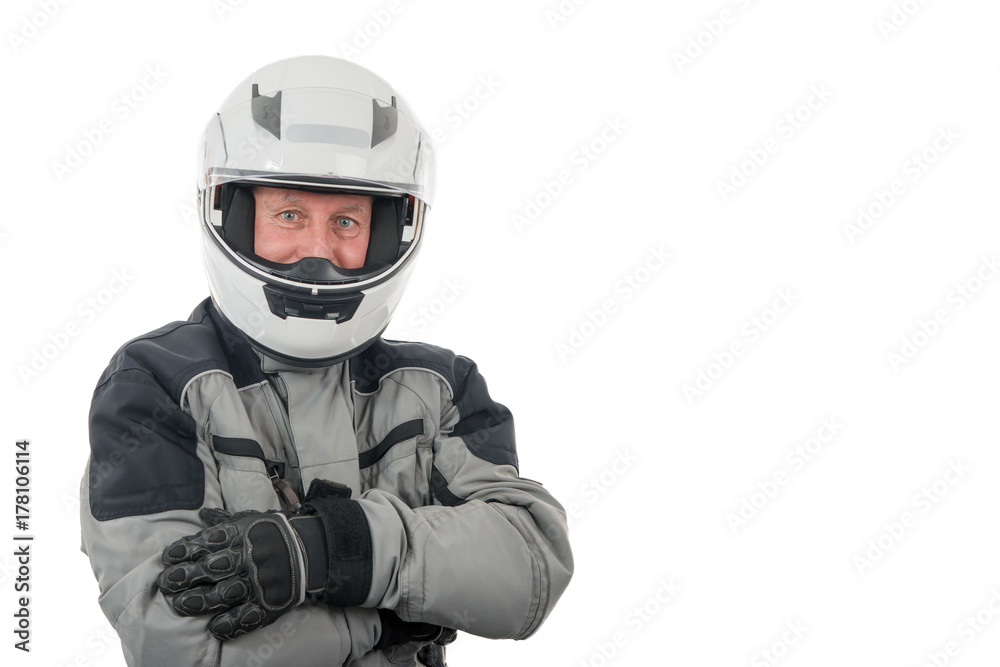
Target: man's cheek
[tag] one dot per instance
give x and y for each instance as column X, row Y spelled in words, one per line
column 272, row 248
column 355, row 257
column 352, row 254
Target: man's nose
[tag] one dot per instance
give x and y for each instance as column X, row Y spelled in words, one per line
column 320, row 242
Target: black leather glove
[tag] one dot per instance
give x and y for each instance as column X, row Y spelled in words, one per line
column 248, row 568
column 396, row 631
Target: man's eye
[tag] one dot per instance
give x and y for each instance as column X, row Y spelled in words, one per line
column 345, row 223
column 287, row 216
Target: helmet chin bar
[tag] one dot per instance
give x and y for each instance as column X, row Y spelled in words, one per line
column 231, row 329
column 338, row 308
column 311, row 363
column 315, row 269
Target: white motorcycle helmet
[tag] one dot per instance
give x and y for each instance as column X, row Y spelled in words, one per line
column 324, row 125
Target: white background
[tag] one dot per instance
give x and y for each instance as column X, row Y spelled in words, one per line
column 649, row 473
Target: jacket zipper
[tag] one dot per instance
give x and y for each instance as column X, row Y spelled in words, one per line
column 276, row 395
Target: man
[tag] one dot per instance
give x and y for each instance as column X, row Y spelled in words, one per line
column 271, row 482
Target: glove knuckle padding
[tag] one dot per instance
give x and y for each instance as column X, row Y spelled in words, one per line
column 208, row 570
column 271, row 558
column 209, row 599
column 238, row 621
column 194, row 547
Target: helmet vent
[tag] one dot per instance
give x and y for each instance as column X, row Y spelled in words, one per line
column 266, row 111
column 384, row 121
column 339, row 309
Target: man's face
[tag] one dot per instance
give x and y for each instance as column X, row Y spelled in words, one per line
column 290, row 225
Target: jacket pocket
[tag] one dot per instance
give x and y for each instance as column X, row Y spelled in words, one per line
column 401, row 433
column 399, row 463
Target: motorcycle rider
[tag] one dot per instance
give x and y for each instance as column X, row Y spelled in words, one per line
column 271, row 481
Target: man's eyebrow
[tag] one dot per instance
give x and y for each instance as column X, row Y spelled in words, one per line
column 295, row 199
column 276, row 202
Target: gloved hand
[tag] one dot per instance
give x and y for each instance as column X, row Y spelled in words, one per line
column 248, row 568
column 396, row 631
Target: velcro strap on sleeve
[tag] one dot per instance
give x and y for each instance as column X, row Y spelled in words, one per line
column 349, row 550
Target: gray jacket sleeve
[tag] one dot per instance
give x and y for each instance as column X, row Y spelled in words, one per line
column 147, row 477
column 491, row 555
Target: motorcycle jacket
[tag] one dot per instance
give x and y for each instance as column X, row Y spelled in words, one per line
column 190, row 416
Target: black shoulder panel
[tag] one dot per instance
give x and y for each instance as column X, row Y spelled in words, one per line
column 142, row 450
column 172, row 354
column 384, row 356
column 244, row 364
column 487, row 427
column 142, row 445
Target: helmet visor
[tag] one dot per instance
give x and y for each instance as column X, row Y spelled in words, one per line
column 313, row 235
